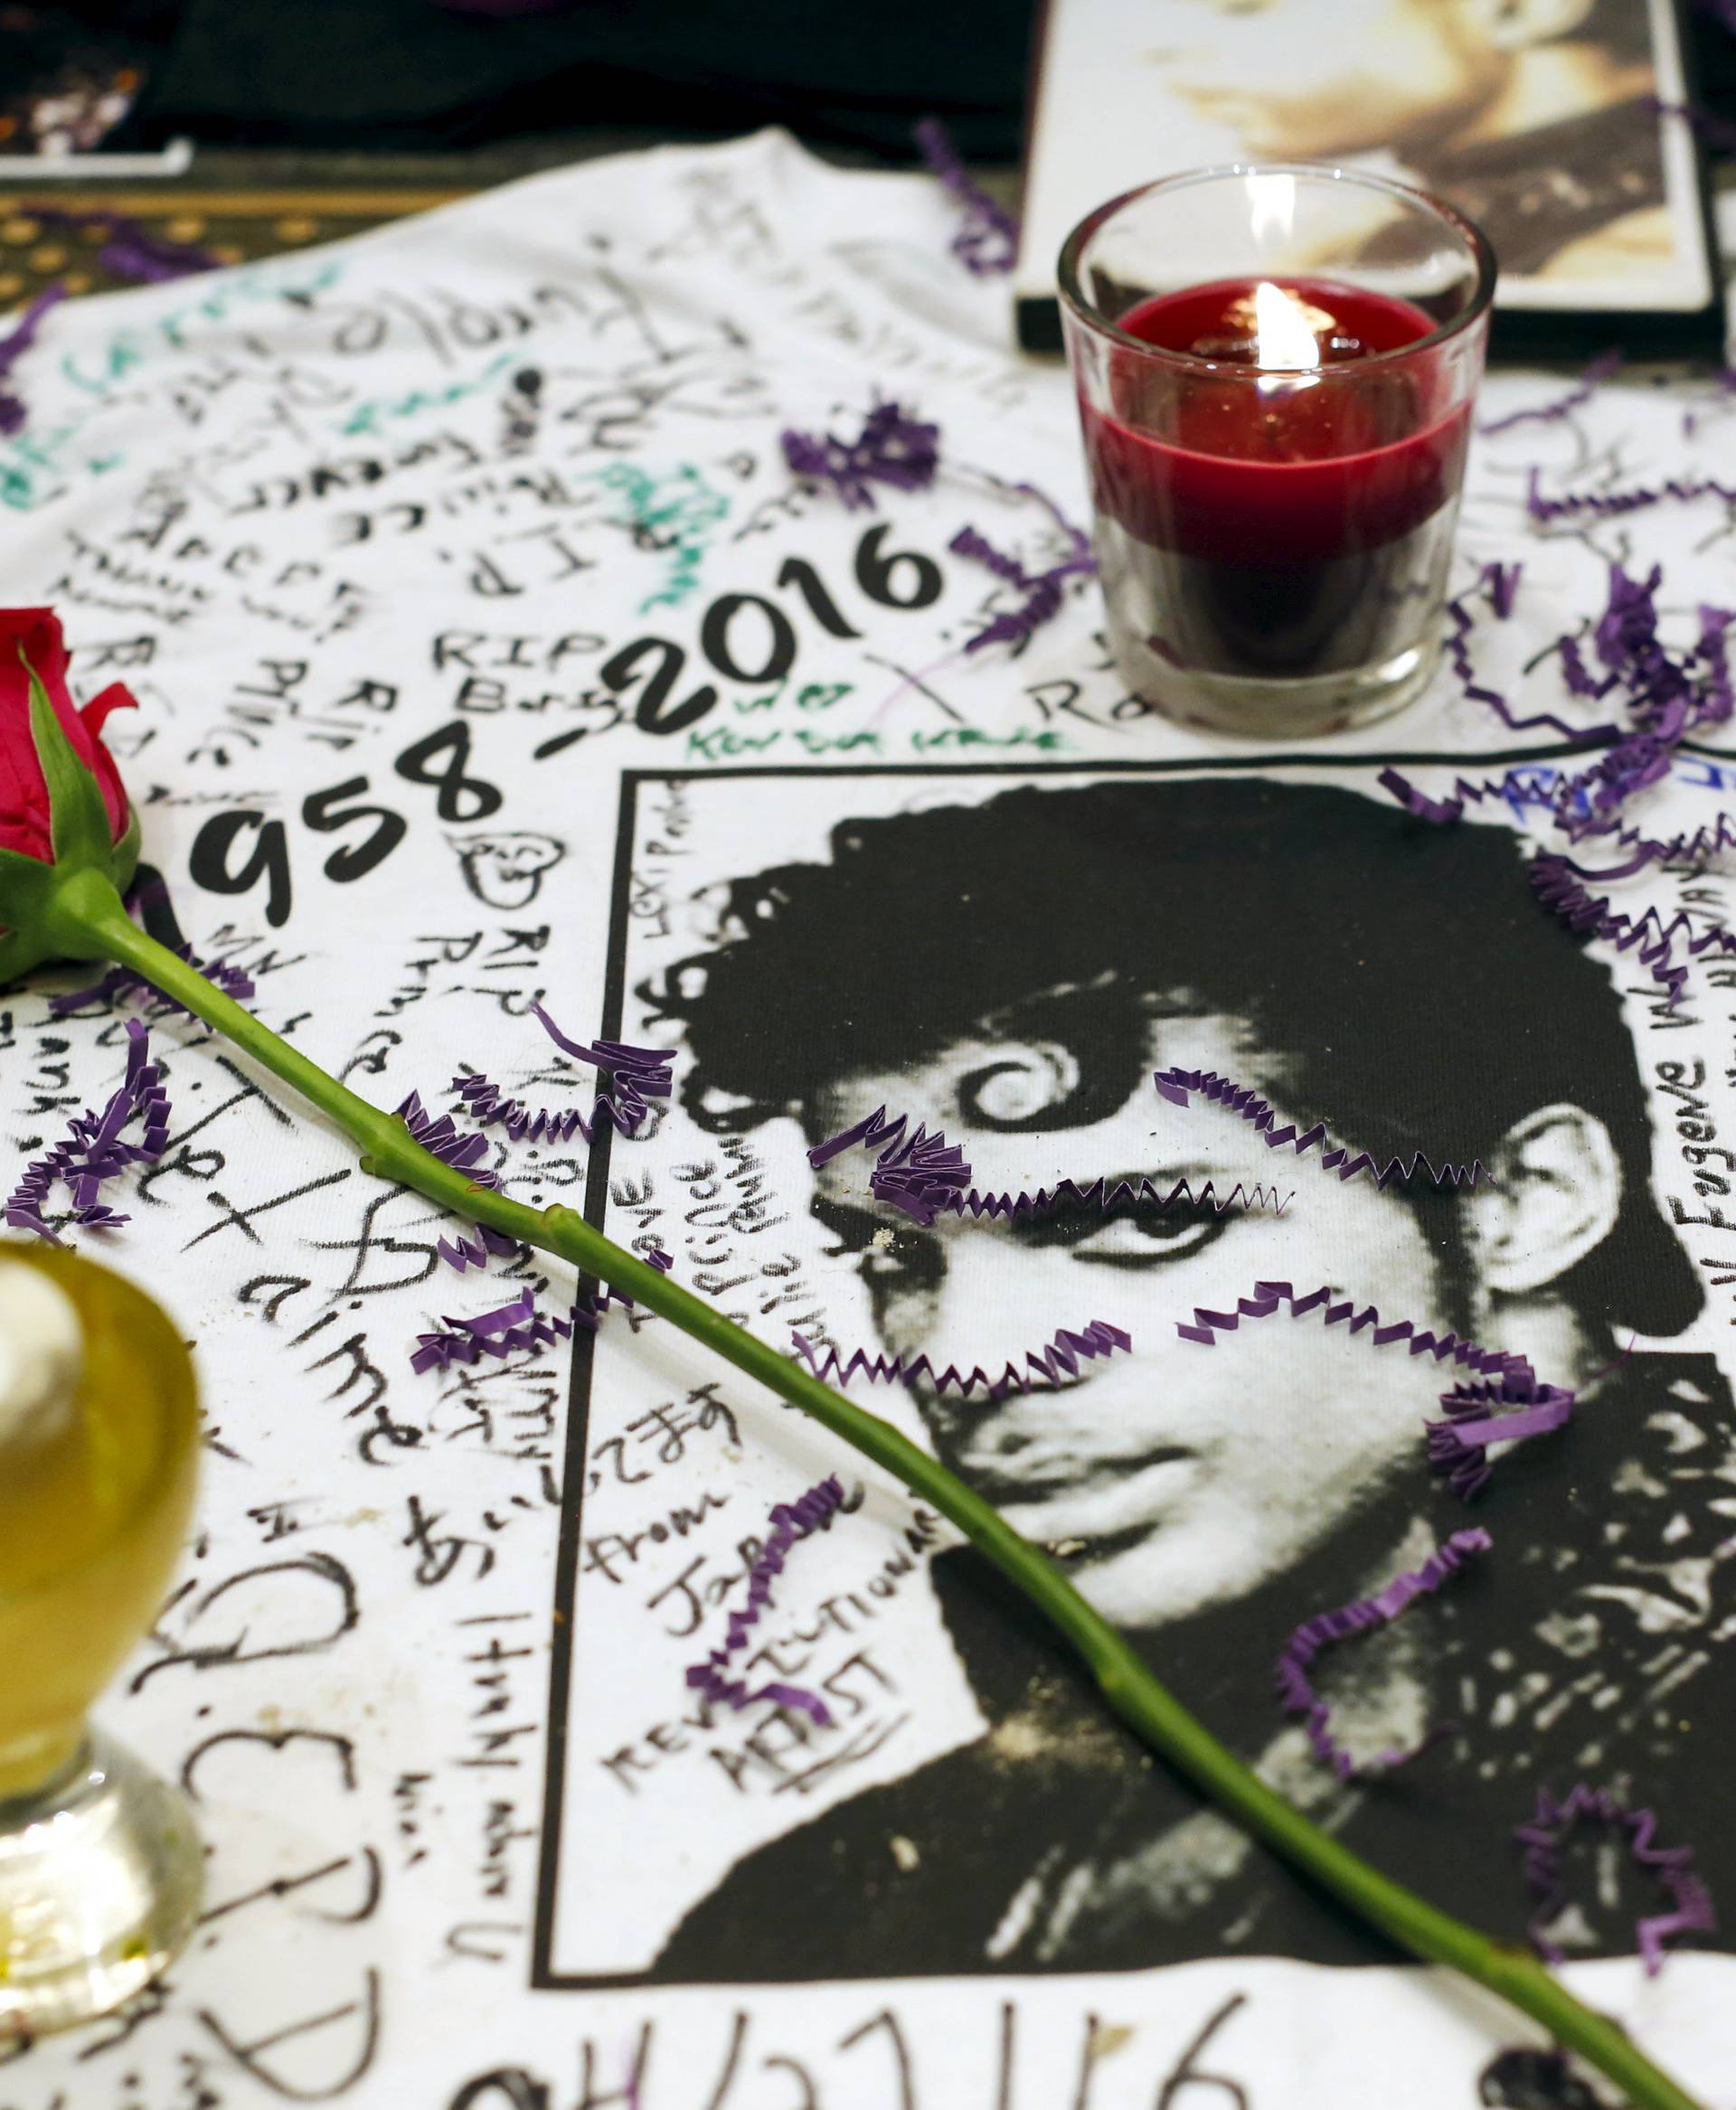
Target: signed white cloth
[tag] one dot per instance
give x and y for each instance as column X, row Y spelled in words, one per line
column 480, row 635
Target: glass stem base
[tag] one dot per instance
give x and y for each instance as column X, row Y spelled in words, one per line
column 101, row 1875
column 1271, row 712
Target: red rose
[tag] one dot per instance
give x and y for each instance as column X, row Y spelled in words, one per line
column 33, row 634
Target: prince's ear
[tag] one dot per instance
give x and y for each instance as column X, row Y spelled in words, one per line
column 1552, row 1194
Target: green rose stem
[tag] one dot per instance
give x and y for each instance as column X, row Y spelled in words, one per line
column 84, row 918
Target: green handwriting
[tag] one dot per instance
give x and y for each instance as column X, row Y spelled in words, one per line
column 128, row 348
column 725, row 743
column 677, row 512
column 366, row 416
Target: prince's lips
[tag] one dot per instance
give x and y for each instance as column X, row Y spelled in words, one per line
column 1092, row 1488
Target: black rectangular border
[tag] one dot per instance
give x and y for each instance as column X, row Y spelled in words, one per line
column 544, row 1977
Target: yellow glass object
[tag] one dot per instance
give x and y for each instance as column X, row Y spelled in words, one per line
column 99, row 1864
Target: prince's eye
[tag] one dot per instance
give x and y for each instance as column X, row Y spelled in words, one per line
column 1149, row 1239
column 1137, row 1230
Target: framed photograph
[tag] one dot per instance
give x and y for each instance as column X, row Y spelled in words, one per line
column 1556, row 124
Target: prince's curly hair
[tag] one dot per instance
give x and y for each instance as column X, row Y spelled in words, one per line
column 1405, row 984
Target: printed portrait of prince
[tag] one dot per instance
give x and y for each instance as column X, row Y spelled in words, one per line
column 1013, row 972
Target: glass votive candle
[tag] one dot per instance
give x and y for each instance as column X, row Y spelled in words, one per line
column 1276, row 370
column 101, row 1868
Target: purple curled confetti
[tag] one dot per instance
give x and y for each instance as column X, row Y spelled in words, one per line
column 1502, row 588
column 510, row 1327
column 1043, row 591
column 1459, row 1446
column 1175, row 1085
column 1669, row 697
column 1107, row 1194
column 870, row 1132
column 812, row 1511
column 93, row 1151
column 919, row 1175
column 1629, row 767
column 462, row 1253
column 1646, row 851
column 1649, row 937
column 647, row 1068
column 636, row 1074
column 988, row 240
column 123, row 981
column 1046, row 1370
column 1443, row 813
column 13, row 347
column 1628, row 624
column 1514, row 789
column 1563, row 406
column 1613, row 504
column 1325, row 1628
column 1672, row 1867
column 893, row 448
column 150, row 259
column 790, row 1523
column 913, row 1172
column 1717, row 696
column 132, row 250
column 444, row 1140
column 1696, row 846
column 925, row 1174
column 1501, row 583
column 733, row 1692
column 1268, row 1296
column 1577, row 675
column 486, row 1104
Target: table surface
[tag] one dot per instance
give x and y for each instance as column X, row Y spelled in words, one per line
column 242, row 204
column 485, row 650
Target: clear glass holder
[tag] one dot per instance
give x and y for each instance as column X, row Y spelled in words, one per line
column 1270, row 709
column 101, row 1870
column 101, row 1877
column 1275, row 369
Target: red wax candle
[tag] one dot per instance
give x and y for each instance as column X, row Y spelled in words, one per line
column 1272, row 500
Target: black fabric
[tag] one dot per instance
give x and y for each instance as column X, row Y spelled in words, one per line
column 309, row 75
column 398, row 73
column 1712, row 57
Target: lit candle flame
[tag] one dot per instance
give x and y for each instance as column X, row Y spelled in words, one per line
column 1284, row 328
